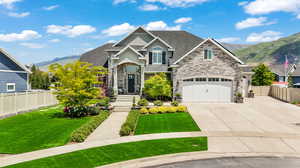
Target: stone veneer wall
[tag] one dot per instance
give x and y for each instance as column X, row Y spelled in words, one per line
column 194, row 65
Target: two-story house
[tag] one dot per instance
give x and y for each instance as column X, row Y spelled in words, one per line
column 14, row 77
column 201, row 70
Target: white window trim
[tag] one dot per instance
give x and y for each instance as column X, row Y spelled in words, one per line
column 212, row 52
column 9, row 84
column 157, row 52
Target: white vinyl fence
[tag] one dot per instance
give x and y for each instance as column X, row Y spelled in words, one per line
column 12, row 103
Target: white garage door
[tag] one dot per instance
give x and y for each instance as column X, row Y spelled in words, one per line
column 207, row 90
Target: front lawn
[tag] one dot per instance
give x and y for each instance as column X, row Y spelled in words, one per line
column 36, row 130
column 119, row 152
column 167, row 122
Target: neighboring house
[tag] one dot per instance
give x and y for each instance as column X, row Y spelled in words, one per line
column 201, row 70
column 14, row 77
column 280, row 72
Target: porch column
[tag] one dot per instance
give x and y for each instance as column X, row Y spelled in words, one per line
column 142, row 78
column 116, row 80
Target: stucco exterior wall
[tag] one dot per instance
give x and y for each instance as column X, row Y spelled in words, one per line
column 194, row 65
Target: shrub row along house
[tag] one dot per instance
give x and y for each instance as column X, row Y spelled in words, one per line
column 14, row 77
column 201, row 70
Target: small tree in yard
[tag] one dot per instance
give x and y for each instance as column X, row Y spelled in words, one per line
column 262, row 76
column 290, row 81
column 158, row 87
column 74, row 86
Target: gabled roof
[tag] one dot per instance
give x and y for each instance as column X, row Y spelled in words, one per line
column 217, row 44
column 132, row 33
column 126, row 48
column 158, row 39
column 14, row 60
column 97, row 56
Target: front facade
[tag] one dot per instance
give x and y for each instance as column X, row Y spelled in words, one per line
column 14, row 77
column 200, row 70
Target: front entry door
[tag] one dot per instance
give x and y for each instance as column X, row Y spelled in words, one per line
column 131, row 81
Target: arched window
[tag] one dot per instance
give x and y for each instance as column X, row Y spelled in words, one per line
column 157, row 54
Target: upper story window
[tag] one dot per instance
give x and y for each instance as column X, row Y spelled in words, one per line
column 11, row 87
column 157, row 55
column 208, row 54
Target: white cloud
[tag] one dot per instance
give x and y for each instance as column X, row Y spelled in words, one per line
column 161, row 25
column 253, row 22
column 111, row 41
column 70, row 31
column 179, row 3
column 243, row 3
column 33, row 45
column 54, row 40
column 229, row 39
column 8, row 3
column 258, row 7
column 18, row 15
column 298, row 16
column 183, row 20
column 119, row 30
column 50, row 8
column 24, row 35
column 149, row 7
column 264, row 36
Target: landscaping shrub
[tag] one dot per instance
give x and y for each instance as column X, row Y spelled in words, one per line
column 182, row 109
column 158, row 87
column 130, row 123
column 164, row 109
column 85, row 130
column 158, row 103
column 81, row 111
column 143, row 102
column 144, row 110
column 103, row 102
column 174, row 103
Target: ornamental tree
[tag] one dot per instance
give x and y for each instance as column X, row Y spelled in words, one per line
column 262, row 76
column 158, row 87
column 75, row 83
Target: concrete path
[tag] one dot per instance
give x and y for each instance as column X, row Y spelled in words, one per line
column 110, row 128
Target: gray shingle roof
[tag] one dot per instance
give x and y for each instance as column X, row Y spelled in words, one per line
column 181, row 41
column 97, row 56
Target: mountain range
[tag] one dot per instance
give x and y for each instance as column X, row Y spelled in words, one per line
column 274, row 52
column 61, row 60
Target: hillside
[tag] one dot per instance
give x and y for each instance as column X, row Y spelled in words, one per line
column 273, row 52
column 234, row 47
column 63, row 60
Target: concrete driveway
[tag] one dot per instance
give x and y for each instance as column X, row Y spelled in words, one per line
column 259, row 115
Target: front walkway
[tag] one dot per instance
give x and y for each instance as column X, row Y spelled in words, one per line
column 110, row 128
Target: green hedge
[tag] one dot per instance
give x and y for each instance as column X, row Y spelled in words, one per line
column 85, row 130
column 129, row 126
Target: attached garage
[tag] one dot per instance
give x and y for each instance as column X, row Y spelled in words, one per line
column 210, row 89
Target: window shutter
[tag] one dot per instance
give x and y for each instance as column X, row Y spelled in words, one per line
column 205, row 54
column 150, row 57
column 164, row 57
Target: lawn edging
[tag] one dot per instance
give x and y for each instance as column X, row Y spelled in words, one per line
column 80, row 134
column 129, row 126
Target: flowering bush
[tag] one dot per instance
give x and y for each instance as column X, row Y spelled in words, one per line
column 164, row 109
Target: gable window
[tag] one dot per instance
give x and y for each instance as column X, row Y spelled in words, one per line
column 11, row 87
column 208, row 54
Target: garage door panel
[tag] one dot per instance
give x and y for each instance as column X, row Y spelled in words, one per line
column 207, row 91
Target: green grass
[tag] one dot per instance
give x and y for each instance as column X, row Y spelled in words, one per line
column 163, row 123
column 36, row 130
column 94, row 157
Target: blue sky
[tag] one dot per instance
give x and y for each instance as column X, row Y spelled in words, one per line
column 39, row 30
